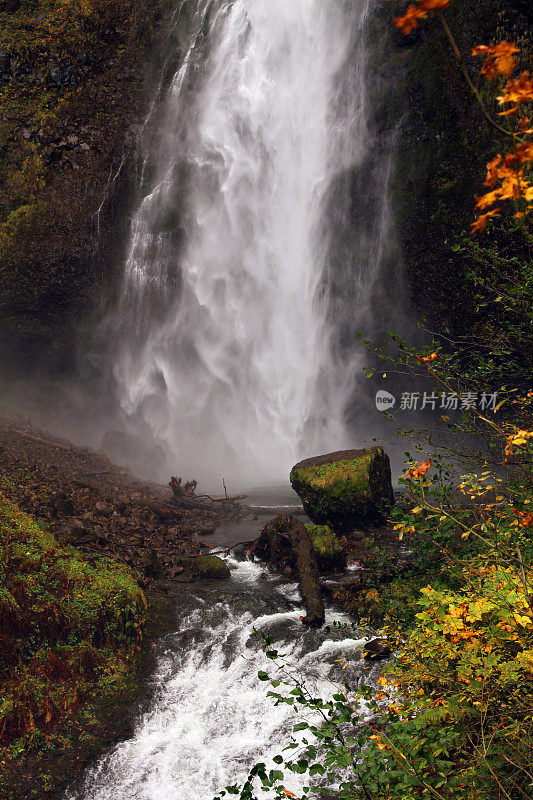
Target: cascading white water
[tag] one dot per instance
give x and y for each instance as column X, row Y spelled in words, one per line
column 210, row 720
column 224, row 355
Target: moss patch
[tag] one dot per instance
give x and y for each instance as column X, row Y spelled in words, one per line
column 328, row 550
column 70, row 631
column 205, row 566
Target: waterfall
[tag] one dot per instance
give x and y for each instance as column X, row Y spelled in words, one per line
column 226, row 350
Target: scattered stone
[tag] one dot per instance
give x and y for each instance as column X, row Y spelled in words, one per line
column 376, row 649
column 204, row 567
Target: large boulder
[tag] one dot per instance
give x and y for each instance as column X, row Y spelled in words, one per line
column 345, row 488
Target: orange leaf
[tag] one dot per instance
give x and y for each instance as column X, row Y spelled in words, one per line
column 481, row 222
column 500, row 58
column 419, row 470
column 408, row 22
column 423, row 359
column 517, row 90
column 524, row 152
column 428, row 5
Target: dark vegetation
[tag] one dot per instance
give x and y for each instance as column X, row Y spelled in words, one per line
column 455, row 279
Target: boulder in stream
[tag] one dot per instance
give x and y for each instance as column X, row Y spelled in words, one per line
column 344, row 488
column 376, row 650
column 204, row 567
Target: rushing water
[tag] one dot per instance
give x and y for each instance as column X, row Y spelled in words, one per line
column 209, row 719
column 246, row 253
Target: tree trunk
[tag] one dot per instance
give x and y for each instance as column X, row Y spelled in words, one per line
column 308, row 576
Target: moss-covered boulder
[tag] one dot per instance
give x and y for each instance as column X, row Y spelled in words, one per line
column 204, row 567
column 330, row 553
column 345, row 488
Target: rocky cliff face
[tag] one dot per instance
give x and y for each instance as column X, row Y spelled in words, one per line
column 72, row 80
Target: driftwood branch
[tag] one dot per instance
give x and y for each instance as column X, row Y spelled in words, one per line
column 226, row 550
column 185, row 496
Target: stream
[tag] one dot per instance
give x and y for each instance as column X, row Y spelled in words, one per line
column 206, row 718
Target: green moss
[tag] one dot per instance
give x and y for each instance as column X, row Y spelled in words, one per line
column 206, row 566
column 339, row 479
column 339, row 491
column 69, row 629
column 328, row 550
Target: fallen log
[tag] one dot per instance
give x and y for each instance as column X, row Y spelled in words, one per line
column 291, row 529
column 231, row 498
column 46, row 442
column 185, row 495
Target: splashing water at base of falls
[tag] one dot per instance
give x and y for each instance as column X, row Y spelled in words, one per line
column 209, row 719
column 224, row 351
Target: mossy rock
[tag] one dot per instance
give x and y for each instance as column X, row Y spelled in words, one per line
column 345, row 488
column 274, row 547
column 204, row 567
column 330, row 553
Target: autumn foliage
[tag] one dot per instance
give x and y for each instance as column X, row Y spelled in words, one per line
column 508, row 176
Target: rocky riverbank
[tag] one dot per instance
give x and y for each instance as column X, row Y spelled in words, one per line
column 98, row 507
column 89, row 508
column 76, row 633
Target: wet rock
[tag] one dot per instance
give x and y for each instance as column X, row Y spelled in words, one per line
column 163, row 510
column 61, row 76
column 204, row 567
column 150, row 563
column 273, row 547
column 63, row 506
column 77, row 533
column 376, row 649
column 341, row 489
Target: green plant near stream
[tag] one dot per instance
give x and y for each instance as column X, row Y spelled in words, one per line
column 69, row 631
